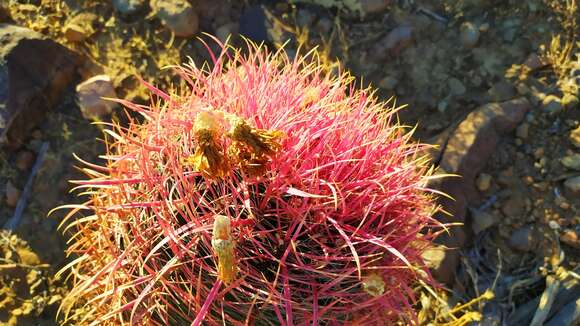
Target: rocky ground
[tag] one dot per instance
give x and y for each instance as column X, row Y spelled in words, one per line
column 495, row 84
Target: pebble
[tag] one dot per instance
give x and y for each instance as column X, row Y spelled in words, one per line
column 573, row 185
column 539, row 153
column 179, row 16
column 469, row 34
column 483, row 182
column 456, row 87
column 24, row 160
column 575, row 137
column 304, row 18
column 572, row 162
column 12, row 194
column 225, row 31
column 523, row 239
column 373, row 6
column 552, row 104
column 89, row 94
column 75, row 33
column 523, row 130
column 533, row 61
column 128, row 7
column 388, row 83
column 254, row 24
column 554, row 225
column 395, row 41
column 570, row 237
column 502, row 91
column 513, row 207
column 482, row 221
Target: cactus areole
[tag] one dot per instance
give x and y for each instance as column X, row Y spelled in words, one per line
column 264, row 191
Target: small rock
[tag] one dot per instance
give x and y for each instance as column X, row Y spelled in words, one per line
column 373, row 6
column 442, row 261
column 481, row 221
column 533, row 62
column 304, row 18
column 570, row 237
column 484, row 27
column 24, row 160
column 179, row 16
column 513, row 207
column 89, row 94
column 225, row 31
column 483, row 182
column 128, row 7
column 502, row 91
column 456, row 87
column 388, row 83
column 523, row 130
column 572, row 162
column 254, row 24
column 523, row 239
column 570, row 101
column 469, row 34
column 12, row 194
column 75, row 33
column 575, row 137
column 552, row 104
column 573, row 185
column 397, row 39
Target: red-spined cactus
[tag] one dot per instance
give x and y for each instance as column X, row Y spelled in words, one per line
column 264, row 192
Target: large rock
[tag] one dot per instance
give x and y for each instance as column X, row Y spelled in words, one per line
column 179, row 16
column 465, row 154
column 34, row 72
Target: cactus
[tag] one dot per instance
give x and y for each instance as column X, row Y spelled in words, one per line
column 266, row 191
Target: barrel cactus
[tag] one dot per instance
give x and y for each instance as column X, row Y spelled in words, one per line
column 263, row 191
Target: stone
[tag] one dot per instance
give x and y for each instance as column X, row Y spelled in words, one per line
column 254, row 24
column 483, row 182
column 570, row 101
column 225, row 31
column 178, row 15
column 466, row 153
column 552, row 104
column 570, row 237
column 34, row 74
column 388, row 83
column 523, row 239
column 24, row 160
column 469, row 34
column 369, row 7
column 474, row 140
column 575, row 137
column 391, row 44
column 12, row 194
column 572, row 162
column 90, row 94
column 513, row 207
column 128, row 7
column 305, row 18
column 75, row 33
column 481, row 221
column 533, row 62
column 523, row 131
column 442, row 262
column 573, row 185
column 456, row 87
column 502, row 91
